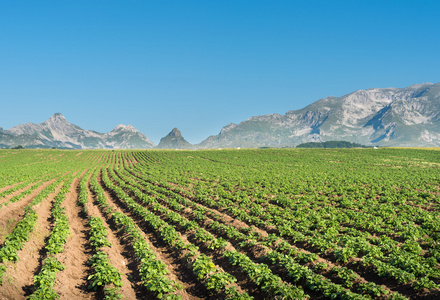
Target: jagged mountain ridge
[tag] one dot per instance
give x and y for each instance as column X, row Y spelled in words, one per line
column 58, row 132
column 389, row 117
column 174, row 140
column 383, row 116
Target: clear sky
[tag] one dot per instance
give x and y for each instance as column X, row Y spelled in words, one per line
column 199, row 65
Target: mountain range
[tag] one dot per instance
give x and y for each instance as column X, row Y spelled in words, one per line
column 58, row 132
column 381, row 116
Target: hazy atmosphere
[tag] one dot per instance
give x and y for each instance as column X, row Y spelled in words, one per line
column 199, row 65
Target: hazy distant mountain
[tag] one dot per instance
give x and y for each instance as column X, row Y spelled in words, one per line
column 388, row 116
column 174, row 140
column 58, row 132
column 385, row 117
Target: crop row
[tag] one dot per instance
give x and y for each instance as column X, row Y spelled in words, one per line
column 269, row 283
column 105, row 276
column 342, row 249
column 45, row 280
column 215, row 280
column 20, row 234
column 230, row 232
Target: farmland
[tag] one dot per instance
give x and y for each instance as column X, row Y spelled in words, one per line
column 220, row 224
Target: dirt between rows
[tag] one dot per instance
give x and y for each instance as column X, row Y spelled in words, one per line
column 8, row 197
column 8, row 187
column 191, row 288
column 12, row 213
column 18, row 279
column 115, row 252
column 363, row 274
column 243, row 284
column 71, row 282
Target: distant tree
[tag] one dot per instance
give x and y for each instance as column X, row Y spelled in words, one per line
column 18, row 147
column 310, row 145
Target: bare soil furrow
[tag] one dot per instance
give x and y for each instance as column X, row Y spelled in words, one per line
column 243, row 281
column 8, row 197
column 256, row 251
column 176, row 266
column 8, row 187
column 18, row 279
column 71, row 282
column 116, row 253
column 11, row 214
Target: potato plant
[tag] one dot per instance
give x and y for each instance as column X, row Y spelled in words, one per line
column 263, row 223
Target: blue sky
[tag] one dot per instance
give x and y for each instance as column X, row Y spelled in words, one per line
column 199, row 65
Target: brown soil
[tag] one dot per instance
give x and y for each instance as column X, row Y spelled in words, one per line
column 178, row 271
column 243, row 282
column 115, row 253
column 8, row 187
column 259, row 250
column 18, row 279
column 71, row 281
column 6, row 198
column 11, row 214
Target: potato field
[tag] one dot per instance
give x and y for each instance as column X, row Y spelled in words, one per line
column 220, row 224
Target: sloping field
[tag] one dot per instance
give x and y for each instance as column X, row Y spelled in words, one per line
column 220, row 224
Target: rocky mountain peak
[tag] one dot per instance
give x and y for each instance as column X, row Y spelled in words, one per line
column 59, row 127
column 419, row 85
column 175, row 132
column 58, row 132
column 122, row 127
column 57, row 118
column 174, row 140
column 227, row 128
column 379, row 116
